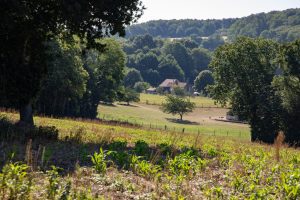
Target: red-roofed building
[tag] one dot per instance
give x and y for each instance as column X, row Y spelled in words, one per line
column 169, row 84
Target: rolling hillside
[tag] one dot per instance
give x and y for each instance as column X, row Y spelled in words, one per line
column 278, row 25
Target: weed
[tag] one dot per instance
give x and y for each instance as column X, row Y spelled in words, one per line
column 141, row 148
column 278, row 143
column 99, row 162
column 54, row 183
column 119, row 145
column 15, row 182
column 144, row 168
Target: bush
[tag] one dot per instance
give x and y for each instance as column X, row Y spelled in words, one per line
column 141, row 86
column 99, row 162
column 15, row 183
column 177, row 105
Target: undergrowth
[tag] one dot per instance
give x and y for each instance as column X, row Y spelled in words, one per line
column 90, row 163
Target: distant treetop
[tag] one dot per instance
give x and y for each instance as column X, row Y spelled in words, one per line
column 278, row 25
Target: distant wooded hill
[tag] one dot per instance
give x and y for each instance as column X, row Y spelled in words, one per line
column 278, row 25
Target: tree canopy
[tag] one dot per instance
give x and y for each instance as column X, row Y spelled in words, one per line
column 203, row 80
column 243, row 72
column 177, row 105
column 27, row 25
column 277, row 25
column 288, row 88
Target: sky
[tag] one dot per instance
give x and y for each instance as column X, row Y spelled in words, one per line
column 211, row 9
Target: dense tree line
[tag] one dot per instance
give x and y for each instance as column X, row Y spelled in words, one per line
column 278, row 25
column 27, row 26
column 153, row 60
column 76, row 82
column 180, row 28
column 245, row 74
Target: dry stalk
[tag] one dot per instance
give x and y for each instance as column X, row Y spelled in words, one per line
column 28, row 153
column 278, row 144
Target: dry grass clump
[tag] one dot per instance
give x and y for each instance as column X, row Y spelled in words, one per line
column 278, row 143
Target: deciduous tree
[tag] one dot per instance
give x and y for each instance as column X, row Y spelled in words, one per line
column 176, row 105
column 243, row 72
column 26, row 25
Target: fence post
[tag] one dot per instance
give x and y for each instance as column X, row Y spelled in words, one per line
column 227, row 133
column 183, row 130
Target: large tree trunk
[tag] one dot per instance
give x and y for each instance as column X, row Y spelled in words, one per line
column 26, row 116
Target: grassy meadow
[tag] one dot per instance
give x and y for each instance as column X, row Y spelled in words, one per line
column 202, row 120
column 89, row 160
column 159, row 99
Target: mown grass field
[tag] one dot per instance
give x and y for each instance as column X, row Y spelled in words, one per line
column 202, row 120
column 137, row 163
column 159, row 99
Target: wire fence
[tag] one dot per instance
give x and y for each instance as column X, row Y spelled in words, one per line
column 198, row 105
column 177, row 129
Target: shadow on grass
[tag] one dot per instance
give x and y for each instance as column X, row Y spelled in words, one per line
column 107, row 104
column 178, row 121
column 129, row 105
column 41, row 147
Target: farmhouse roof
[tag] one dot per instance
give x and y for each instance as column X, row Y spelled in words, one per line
column 168, row 83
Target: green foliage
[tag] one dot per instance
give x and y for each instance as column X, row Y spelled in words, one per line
column 178, row 91
column 203, row 80
column 278, row 25
column 179, row 28
column 144, row 168
column 185, row 163
column 141, row 86
column 213, row 42
column 75, row 84
column 288, row 88
column 201, row 58
column 132, row 77
column 118, row 154
column 54, row 183
column 130, row 95
column 147, row 61
column 66, row 79
column 119, row 145
column 177, row 105
column 15, row 182
column 243, row 72
column 182, row 57
column 141, row 148
column 180, row 166
column 107, row 68
column 170, row 69
column 27, row 26
column 99, row 162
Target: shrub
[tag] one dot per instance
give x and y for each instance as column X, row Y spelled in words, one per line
column 15, row 182
column 141, row 148
column 99, row 162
